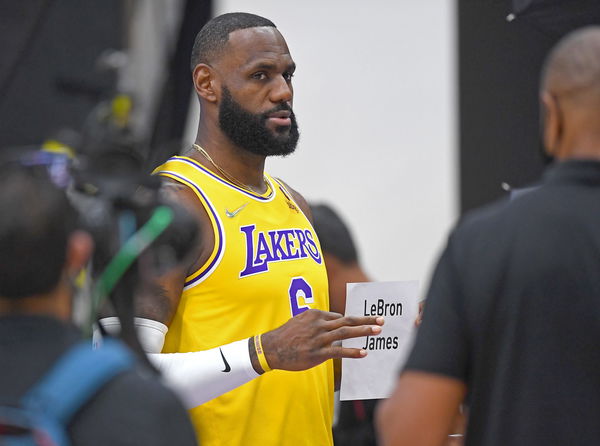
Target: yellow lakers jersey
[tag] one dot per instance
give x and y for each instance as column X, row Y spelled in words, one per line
column 266, row 266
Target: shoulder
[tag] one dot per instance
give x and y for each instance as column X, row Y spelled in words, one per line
column 125, row 412
column 299, row 199
column 503, row 217
column 178, row 192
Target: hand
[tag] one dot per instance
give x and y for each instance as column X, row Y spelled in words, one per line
column 420, row 315
column 308, row 339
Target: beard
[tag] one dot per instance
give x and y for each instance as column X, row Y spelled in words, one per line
column 249, row 131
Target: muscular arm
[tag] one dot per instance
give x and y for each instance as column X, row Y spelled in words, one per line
column 159, row 300
column 302, row 342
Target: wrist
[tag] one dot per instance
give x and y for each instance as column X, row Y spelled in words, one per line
column 254, row 357
column 260, row 353
column 258, row 356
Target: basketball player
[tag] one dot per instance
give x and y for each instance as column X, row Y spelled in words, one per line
column 259, row 261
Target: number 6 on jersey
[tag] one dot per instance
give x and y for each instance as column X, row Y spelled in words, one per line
column 300, row 288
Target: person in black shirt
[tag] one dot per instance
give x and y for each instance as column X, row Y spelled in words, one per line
column 41, row 252
column 513, row 312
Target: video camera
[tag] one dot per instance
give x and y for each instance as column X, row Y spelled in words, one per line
column 138, row 234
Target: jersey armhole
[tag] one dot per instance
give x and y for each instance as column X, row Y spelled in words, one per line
column 219, row 236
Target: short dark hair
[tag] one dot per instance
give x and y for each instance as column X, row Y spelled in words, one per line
column 37, row 220
column 213, row 36
column 334, row 235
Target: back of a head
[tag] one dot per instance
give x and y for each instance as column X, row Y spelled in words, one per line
column 334, row 235
column 572, row 69
column 35, row 225
column 213, row 36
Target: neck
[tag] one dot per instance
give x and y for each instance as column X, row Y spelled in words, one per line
column 579, row 136
column 55, row 304
column 247, row 168
column 582, row 146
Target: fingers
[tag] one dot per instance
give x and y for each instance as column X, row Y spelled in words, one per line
column 336, row 320
column 354, row 321
column 350, row 332
column 335, row 352
column 326, row 315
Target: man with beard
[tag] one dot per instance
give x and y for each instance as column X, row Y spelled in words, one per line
column 258, row 262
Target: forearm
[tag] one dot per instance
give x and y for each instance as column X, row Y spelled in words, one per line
column 302, row 342
column 198, row 377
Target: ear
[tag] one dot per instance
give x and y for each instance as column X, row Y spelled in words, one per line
column 552, row 123
column 205, row 82
column 79, row 250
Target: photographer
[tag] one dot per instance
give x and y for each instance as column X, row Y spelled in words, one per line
column 41, row 253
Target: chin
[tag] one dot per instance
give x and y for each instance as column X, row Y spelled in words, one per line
column 281, row 131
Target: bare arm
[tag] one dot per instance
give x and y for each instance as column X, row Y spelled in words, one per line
column 159, row 299
column 308, row 339
column 421, row 410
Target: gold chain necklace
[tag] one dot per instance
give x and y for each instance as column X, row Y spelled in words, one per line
column 228, row 176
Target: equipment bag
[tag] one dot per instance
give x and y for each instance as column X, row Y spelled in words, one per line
column 44, row 412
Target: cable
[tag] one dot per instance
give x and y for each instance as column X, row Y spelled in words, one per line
column 159, row 221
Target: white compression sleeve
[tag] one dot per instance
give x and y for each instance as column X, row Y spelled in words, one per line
column 150, row 333
column 198, row 377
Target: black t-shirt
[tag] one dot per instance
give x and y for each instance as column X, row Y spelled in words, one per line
column 514, row 311
column 133, row 409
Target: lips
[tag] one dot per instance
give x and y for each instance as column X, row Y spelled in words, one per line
column 281, row 117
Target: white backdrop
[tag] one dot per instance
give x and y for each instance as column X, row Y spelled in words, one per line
column 376, row 105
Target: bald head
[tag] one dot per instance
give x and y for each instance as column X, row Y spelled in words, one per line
column 573, row 66
column 570, row 96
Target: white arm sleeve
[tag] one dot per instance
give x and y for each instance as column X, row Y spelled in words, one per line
column 150, row 333
column 197, row 377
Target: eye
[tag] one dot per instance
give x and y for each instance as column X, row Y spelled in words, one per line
column 288, row 75
column 259, row 75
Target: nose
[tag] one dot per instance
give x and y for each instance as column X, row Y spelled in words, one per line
column 282, row 91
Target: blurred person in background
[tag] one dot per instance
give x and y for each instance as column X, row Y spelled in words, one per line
column 354, row 424
column 513, row 311
column 42, row 250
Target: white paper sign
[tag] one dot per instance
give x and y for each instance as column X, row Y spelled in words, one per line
column 375, row 376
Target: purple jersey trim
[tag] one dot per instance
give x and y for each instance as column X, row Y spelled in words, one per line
column 217, row 257
column 199, row 166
